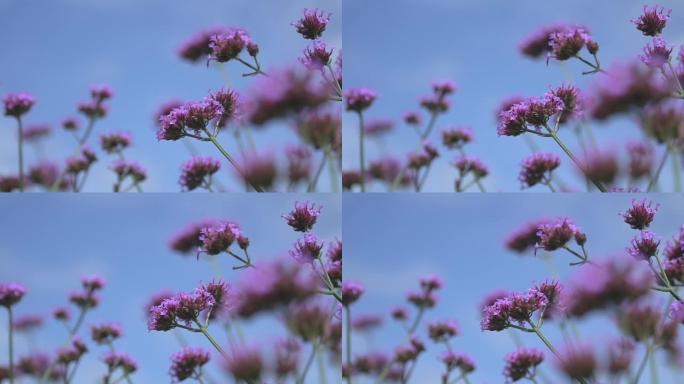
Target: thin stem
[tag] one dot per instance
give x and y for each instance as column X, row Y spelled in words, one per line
column 409, row 332
column 549, row 345
column 642, row 366
column 338, row 88
column 257, row 69
column 229, row 158
column 348, row 342
column 20, row 142
column 319, row 170
column 321, row 365
column 674, row 75
column 11, row 344
column 595, row 67
column 656, row 176
column 309, row 362
column 213, row 342
column 362, row 150
column 332, row 169
column 676, row 167
column 567, row 151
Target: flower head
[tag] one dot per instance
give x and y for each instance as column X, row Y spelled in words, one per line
column 299, row 163
column 228, row 45
column 70, row 124
column 640, row 214
column 188, row 363
column 522, row 363
column 641, row 159
column 92, row 109
column 316, row 56
column 568, row 43
column 11, row 294
column 27, row 323
column 197, row 172
column 537, row 168
column 18, row 104
column 307, row 249
column 36, row 132
column 187, row 239
column 524, row 238
column 359, row 99
column 653, row 20
column 657, row 53
column 578, row 361
column 442, row 331
column 644, row 246
column 132, row 169
column 455, row 138
column 101, row 92
column 556, row 234
column 351, row 292
column 105, row 334
column 197, row 47
column 537, row 44
column 259, row 169
column 312, row 24
column 471, row 164
column 120, row 360
column 459, row 361
column 115, row 142
column 303, row 217
column 245, row 363
column 218, row 237
column 308, row 320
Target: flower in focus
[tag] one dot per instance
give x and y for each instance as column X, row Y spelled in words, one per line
column 523, row 363
column 228, row 45
column 312, row 24
column 537, row 168
column 218, row 236
column 556, row 234
column 567, row 43
column 653, row 20
column 303, row 217
column 640, row 214
column 187, row 239
column 657, row 53
column 644, row 246
column 316, row 56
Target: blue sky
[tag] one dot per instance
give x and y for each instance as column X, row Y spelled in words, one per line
column 398, row 47
column 392, row 240
column 57, row 49
column 49, row 242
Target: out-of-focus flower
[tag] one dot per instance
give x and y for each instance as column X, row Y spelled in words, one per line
column 308, row 320
column 602, row 166
column 522, row 363
column 245, row 363
column 35, row 132
column 578, row 361
column 359, row 99
column 299, row 164
column 316, row 56
column 18, row 104
column 620, row 355
column 351, row 292
column 197, row 172
column 644, row 246
column 442, row 331
column 120, row 360
column 380, row 127
column 307, row 249
column 471, row 164
column 228, row 45
column 197, row 47
column 11, row 294
column 45, row 174
column 188, row 363
column 524, row 238
column 27, row 323
column 92, row 109
column 567, row 43
column 537, row 168
column 455, row 138
column 319, row 128
column 537, row 44
column 664, row 122
column 187, row 239
column 259, row 169
column 217, row 237
column 71, row 124
column 115, row 142
column 459, row 361
column 657, row 53
column 653, row 20
column 639, row 321
column 132, row 169
column 641, row 159
column 104, row 334
column 287, row 357
column 366, row 322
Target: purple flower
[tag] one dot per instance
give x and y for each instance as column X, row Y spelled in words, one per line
column 653, row 20
column 188, row 363
column 366, row 323
column 644, row 246
column 556, row 234
column 127, row 168
column 640, row 321
column 459, row 361
column 387, row 169
column 516, row 307
column 303, row 217
column 27, row 323
column 299, row 164
column 567, row 43
column 641, row 159
column 359, row 99
column 351, row 292
column 120, row 360
column 230, row 101
column 197, row 47
column 413, row 118
column 200, row 113
column 18, row 104
column 84, row 300
column 259, row 169
column 572, row 101
column 218, row 237
column 512, row 120
column 308, row 320
column 45, row 174
column 182, row 308
column 523, row 363
column 537, row 168
column 471, row 164
column 36, row 132
column 11, row 293
column 307, row 249
column 430, row 282
column 376, row 128
column 245, row 363
column 102, row 92
column 640, row 214
column 316, row 56
column 540, row 110
column 319, row 128
column 197, row 172
column 61, row 314
column 92, row 109
column 442, row 331
column 657, row 53
column 677, row 311
column 443, row 88
column 105, row 334
column 620, row 355
column 537, row 44
column 187, row 239
column 228, row 45
column 287, row 357
column 70, row 124
column 455, row 138
column 578, row 361
column 166, row 108
column 312, row 24
column 115, row 142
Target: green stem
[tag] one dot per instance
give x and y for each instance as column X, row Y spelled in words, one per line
column 11, row 345
column 228, row 157
column 642, row 366
column 213, row 342
column 656, row 176
column 348, row 342
column 549, row 345
column 20, row 142
column 319, row 170
column 309, row 362
column 332, row 169
column 362, row 154
column 567, row 151
column 321, row 365
column 676, row 167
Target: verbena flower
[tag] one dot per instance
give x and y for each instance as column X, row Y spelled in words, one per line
column 104, row 334
column 303, row 217
column 115, row 142
column 640, row 214
column 228, row 45
column 537, row 44
column 319, row 128
column 307, row 320
column 197, row 172
column 578, row 361
column 644, row 246
column 567, row 43
column 620, row 356
column 455, row 138
column 442, row 331
column 524, row 238
column 92, row 109
column 101, row 92
column 299, row 164
column 188, row 363
column 120, row 360
column 287, row 357
column 366, row 322
column 197, row 47
column 18, row 104
column 378, row 127
column 132, row 169
column 556, row 234
column 640, row 321
column 316, row 56
column 653, row 20
column 46, row 174
column 61, row 314
column 245, row 363
column 537, row 168
column 351, row 292
column 183, row 308
column 359, row 99
column 522, row 363
column 259, row 169
column 71, row 124
column 217, row 237
column 35, row 132
column 460, row 361
column 312, row 24
column 471, row 164
column 307, row 249
column 657, row 53
column 641, row 159
column 11, row 294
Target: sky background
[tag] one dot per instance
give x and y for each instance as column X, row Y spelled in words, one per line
column 399, row 47
column 57, row 49
column 50, row 242
column 393, row 240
